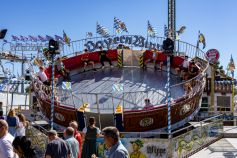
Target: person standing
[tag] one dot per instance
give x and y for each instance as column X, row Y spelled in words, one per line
column 21, row 127
column 90, row 133
column 77, row 135
column 72, row 142
column 22, row 146
column 56, row 148
column 103, row 57
column 111, row 140
column 42, row 76
column 12, row 121
column 6, row 139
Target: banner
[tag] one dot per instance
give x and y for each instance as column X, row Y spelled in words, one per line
column 138, row 147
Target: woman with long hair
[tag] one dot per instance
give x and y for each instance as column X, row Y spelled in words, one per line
column 22, row 147
column 12, row 121
column 90, row 133
column 21, row 127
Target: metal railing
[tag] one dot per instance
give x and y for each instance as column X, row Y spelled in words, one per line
column 129, row 100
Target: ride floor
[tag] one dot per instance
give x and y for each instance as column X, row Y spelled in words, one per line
column 104, row 89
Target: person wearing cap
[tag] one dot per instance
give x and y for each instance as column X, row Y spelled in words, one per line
column 103, row 57
column 56, row 147
column 136, row 146
column 86, row 60
column 111, row 140
column 6, row 139
column 71, row 142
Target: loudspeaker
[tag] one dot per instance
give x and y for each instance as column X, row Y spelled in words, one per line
column 3, row 33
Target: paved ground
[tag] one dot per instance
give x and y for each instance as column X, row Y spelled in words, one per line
column 224, row 148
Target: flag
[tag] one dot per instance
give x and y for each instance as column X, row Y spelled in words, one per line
column 15, row 38
column 119, row 26
column 67, row 40
column 166, row 31
column 58, row 38
column 181, row 30
column 201, row 39
column 231, row 66
column 89, row 34
column 48, row 37
column 102, row 30
column 22, row 38
column 32, row 38
column 151, row 30
column 42, row 39
column 66, row 85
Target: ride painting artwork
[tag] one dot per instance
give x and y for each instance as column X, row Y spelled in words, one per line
column 138, row 148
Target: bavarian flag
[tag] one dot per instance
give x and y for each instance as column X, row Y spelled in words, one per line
column 66, row 85
column 67, row 40
column 201, row 39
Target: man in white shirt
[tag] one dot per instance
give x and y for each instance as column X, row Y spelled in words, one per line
column 6, row 139
column 42, row 76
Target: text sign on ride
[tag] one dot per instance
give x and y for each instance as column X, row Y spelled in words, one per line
column 213, row 55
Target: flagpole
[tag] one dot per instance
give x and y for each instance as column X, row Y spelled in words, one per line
column 96, row 32
column 113, row 32
column 147, row 33
column 197, row 49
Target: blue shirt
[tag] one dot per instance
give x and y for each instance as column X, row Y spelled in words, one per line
column 73, row 146
column 118, row 151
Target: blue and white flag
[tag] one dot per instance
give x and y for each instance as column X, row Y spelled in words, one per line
column 102, row 30
column 118, row 87
column 119, row 26
column 166, row 31
column 89, row 35
column 151, row 30
column 66, row 85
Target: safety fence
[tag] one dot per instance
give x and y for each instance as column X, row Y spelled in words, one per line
column 107, row 102
column 183, row 143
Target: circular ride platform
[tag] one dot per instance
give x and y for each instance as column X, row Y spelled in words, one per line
column 127, row 86
column 115, row 96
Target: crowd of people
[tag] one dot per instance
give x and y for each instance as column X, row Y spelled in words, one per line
column 14, row 142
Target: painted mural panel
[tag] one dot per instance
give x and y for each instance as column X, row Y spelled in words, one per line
column 139, row 147
column 193, row 140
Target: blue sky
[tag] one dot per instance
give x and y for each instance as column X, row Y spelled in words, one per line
column 215, row 19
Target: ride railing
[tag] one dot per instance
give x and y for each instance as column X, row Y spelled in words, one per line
column 181, row 48
column 130, row 100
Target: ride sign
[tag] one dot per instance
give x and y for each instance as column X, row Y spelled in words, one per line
column 213, row 55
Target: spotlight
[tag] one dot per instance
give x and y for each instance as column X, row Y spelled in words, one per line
column 53, row 47
column 3, row 33
column 168, row 46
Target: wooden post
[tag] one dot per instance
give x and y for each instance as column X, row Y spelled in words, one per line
column 212, row 107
